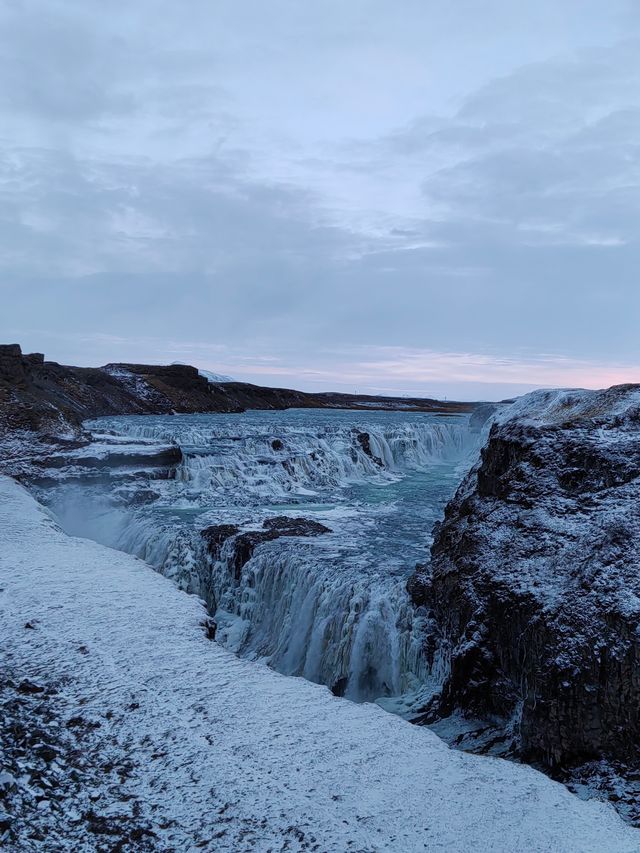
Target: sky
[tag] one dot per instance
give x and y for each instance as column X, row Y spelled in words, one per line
column 385, row 196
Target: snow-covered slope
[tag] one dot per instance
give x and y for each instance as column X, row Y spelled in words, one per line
column 215, row 377
column 133, row 726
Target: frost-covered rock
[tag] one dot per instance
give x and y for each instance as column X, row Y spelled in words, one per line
column 534, row 581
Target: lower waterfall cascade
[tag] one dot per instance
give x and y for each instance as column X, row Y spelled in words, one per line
column 299, row 529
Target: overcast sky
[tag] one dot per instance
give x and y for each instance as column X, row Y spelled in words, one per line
column 394, row 196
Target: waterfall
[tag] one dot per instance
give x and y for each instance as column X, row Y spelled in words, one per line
column 256, row 465
column 353, row 631
column 332, row 608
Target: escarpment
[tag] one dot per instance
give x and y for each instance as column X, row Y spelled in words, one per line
column 534, row 581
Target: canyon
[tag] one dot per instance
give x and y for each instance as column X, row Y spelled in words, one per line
column 473, row 569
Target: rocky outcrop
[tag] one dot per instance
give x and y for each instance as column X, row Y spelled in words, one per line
column 12, row 366
column 52, row 398
column 364, row 440
column 245, row 543
column 534, row 580
column 216, row 535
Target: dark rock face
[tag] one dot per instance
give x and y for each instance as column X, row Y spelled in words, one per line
column 285, row 526
column 215, row 537
column 364, row 440
column 173, row 388
column 340, row 687
column 534, row 582
column 246, row 543
column 12, row 367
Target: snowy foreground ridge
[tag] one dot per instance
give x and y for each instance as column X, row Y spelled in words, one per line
column 190, row 748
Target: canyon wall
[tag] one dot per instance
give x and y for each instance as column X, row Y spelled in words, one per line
column 534, row 581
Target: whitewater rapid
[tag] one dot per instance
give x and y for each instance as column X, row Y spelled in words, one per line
column 332, row 608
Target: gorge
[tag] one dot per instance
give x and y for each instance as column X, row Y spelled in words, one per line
column 306, row 531
column 299, row 529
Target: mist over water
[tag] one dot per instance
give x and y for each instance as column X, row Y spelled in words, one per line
column 332, row 608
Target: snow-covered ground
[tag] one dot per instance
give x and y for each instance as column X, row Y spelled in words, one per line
column 146, row 726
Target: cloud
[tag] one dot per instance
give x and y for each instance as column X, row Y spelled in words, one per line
column 56, row 68
column 285, row 182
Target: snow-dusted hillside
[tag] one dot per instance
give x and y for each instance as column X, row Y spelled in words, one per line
column 124, row 723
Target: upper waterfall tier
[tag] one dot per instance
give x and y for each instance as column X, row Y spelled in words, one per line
column 258, row 457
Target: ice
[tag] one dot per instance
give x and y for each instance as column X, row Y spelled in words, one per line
column 560, row 405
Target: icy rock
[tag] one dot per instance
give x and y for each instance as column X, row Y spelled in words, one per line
column 7, row 781
column 29, row 687
column 245, row 543
column 535, row 579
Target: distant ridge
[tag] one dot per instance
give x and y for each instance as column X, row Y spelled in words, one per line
column 54, row 399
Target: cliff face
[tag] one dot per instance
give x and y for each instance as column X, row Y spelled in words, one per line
column 52, row 398
column 534, row 581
